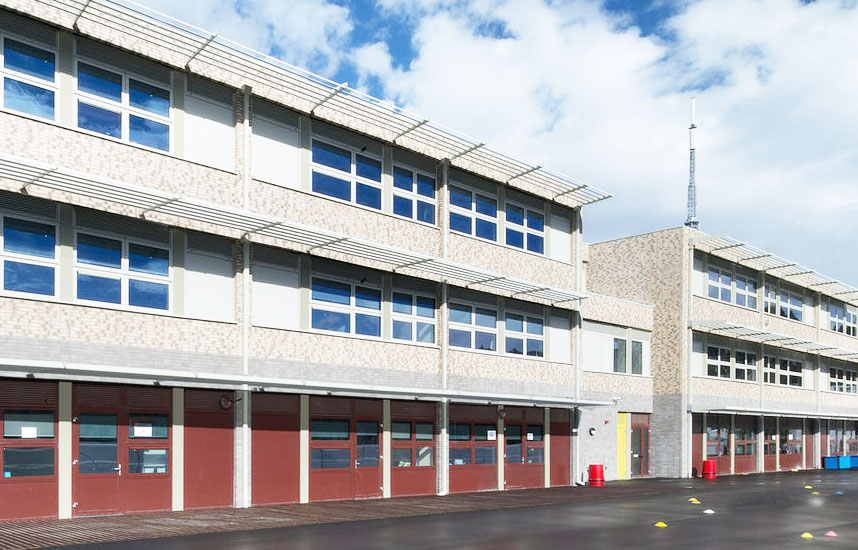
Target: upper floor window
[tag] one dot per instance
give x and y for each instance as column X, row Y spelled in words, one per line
column 413, row 195
column 724, row 285
column 737, row 364
column 525, row 228
column 783, row 302
column 347, row 175
column 473, row 213
column 790, row 372
column 770, row 367
column 413, row 317
column 619, row 355
column 843, row 380
column 29, row 254
column 473, row 326
column 718, row 362
column 119, row 105
column 841, row 319
column 119, row 271
column 29, row 79
column 340, row 306
column 746, row 366
column 525, row 334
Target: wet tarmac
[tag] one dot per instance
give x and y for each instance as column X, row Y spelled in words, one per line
column 756, row 512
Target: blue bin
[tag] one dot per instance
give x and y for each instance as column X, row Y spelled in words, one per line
column 845, row 462
column 830, row 463
column 853, row 461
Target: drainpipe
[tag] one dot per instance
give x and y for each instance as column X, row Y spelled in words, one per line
column 689, row 416
column 245, row 308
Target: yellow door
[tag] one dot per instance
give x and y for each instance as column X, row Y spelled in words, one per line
column 622, row 445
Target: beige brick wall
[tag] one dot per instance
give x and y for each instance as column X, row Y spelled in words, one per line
column 784, row 395
column 616, row 384
column 706, row 309
column 712, row 387
column 615, row 311
column 499, row 367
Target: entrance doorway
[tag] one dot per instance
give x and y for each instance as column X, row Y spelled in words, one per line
column 640, row 445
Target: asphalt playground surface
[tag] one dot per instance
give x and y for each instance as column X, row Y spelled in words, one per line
column 757, row 512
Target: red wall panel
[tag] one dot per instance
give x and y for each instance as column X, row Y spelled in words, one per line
column 208, row 450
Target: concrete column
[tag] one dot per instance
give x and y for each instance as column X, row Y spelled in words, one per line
column 442, row 459
column 65, row 79
column 387, row 179
column 180, row 86
column 305, row 127
column 804, row 424
column 705, row 452
column 546, row 434
column 178, row 456
column 501, row 450
column 732, row 444
column 817, row 444
column 66, row 240
column 761, row 444
column 304, row 452
column 64, row 451
column 386, row 450
column 242, row 486
column 777, row 443
column 179, row 242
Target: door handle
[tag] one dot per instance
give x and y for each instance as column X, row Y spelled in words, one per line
column 356, row 463
column 118, row 469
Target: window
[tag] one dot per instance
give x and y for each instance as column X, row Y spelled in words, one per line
column 717, row 362
column 525, row 228
column 338, row 306
column 116, row 104
column 770, row 365
column 29, row 79
column 413, row 195
column 524, row 334
column 28, row 461
column 473, row 326
column 148, row 461
column 790, row 373
column 843, row 380
column 841, row 319
column 117, row 271
column 619, row 355
column 472, row 446
column 148, row 426
column 770, row 303
column 783, row 302
column 29, row 256
column 413, row 444
column 473, row 213
column 346, row 174
column 637, row 357
column 413, row 317
column 734, row 288
column 28, row 425
column 746, row 366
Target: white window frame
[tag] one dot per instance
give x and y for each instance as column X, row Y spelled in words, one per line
column 735, row 275
column 350, row 176
column 770, row 369
column 472, row 213
column 746, row 366
column 27, row 259
column 749, row 296
column 28, row 79
column 413, row 195
column 525, row 230
column 785, row 369
column 524, row 335
column 719, row 363
column 123, row 273
column 414, row 318
column 473, row 327
column 351, row 309
column 123, row 107
column 843, row 380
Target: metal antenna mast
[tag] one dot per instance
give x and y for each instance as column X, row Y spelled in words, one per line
column 692, row 185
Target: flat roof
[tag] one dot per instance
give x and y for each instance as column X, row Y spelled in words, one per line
column 183, row 46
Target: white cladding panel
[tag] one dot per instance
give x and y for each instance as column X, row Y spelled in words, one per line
column 276, row 296
column 209, row 133
column 559, row 339
column 276, row 153
column 698, row 280
column 209, row 287
column 560, row 235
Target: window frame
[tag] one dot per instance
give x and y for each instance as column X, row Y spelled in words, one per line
column 525, row 335
column 352, row 177
column 413, row 444
column 19, row 257
column 844, row 323
column 352, row 309
column 26, row 443
column 735, row 275
column 473, row 327
column 413, row 195
column 123, row 273
column 719, row 363
column 52, row 86
column 842, row 380
column 525, row 228
column 123, row 107
column 414, row 318
column 473, row 214
column 774, row 302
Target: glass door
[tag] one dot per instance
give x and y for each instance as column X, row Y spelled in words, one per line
column 367, row 463
column 97, row 464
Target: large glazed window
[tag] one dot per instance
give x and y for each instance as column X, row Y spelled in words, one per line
column 473, row 326
column 115, row 270
column 29, row 79
column 524, row 334
column 413, row 195
column 346, row 174
column 28, row 250
column 525, row 228
column 732, row 286
column 783, row 302
column 341, row 306
column 413, row 317
column 123, row 106
column 843, row 380
column 473, row 213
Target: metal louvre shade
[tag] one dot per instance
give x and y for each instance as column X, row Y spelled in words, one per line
column 734, row 330
column 757, row 259
column 149, row 33
column 29, row 172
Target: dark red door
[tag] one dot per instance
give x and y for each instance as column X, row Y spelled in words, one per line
column 791, row 441
column 640, row 445
column 473, row 448
column 524, row 454
column 770, row 445
column 413, row 448
column 276, row 452
column 718, row 441
column 560, row 447
column 209, row 453
column 746, row 444
column 28, row 437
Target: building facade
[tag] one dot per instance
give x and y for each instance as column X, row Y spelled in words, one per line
column 754, row 357
column 228, row 282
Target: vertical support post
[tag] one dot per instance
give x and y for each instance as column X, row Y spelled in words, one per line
column 777, row 443
column 732, row 444
column 178, row 451
column 242, row 497
column 501, row 453
column 442, row 459
column 386, row 450
column 65, row 79
column 761, row 443
column 304, row 452
column 66, row 240
column 546, row 436
column 705, row 450
column 64, row 452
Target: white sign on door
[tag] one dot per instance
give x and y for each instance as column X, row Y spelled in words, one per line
column 492, row 435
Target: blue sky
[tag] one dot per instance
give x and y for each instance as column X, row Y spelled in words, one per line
column 600, row 90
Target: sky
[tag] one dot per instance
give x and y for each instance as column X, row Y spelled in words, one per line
column 600, row 90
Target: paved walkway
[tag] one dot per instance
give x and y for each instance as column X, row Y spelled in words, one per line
column 46, row 533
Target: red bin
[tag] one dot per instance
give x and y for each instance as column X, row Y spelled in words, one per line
column 597, row 475
column 709, row 469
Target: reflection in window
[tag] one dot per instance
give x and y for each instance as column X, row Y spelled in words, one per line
column 28, row 79
column 147, row 461
column 28, row 461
